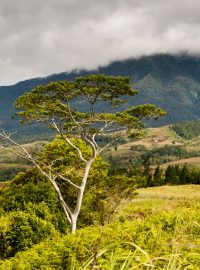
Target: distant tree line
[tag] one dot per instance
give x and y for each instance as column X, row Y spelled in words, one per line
column 166, row 154
column 187, row 130
column 173, row 175
column 9, row 173
column 145, row 176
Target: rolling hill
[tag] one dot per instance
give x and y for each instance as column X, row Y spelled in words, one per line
column 161, row 145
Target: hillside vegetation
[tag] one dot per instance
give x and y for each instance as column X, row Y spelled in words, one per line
column 161, row 145
column 76, row 210
column 154, row 228
column 187, row 130
column 159, row 229
column 178, row 144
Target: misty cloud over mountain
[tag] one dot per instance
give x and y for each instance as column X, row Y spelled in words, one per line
column 49, row 36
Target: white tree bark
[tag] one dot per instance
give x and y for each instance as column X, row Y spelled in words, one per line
column 80, row 195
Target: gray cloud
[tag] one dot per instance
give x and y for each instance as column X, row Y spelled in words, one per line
column 43, row 37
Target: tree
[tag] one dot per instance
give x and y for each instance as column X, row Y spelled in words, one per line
column 168, row 175
column 157, row 176
column 146, row 163
column 184, row 175
column 172, row 175
column 80, row 111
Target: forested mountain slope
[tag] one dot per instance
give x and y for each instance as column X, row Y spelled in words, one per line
column 171, row 82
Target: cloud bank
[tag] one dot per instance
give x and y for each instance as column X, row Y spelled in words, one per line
column 50, row 36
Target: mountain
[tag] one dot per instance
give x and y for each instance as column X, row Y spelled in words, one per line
column 169, row 81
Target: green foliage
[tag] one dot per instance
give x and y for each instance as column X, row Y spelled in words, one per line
column 146, row 235
column 146, row 111
column 27, row 187
column 57, row 100
column 157, row 177
column 30, row 192
column 104, row 88
column 9, row 173
column 31, row 197
column 33, row 213
column 23, row 231
column 187, row 130
column 103, row 190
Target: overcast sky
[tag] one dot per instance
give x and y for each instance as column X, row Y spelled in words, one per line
column 41, row 37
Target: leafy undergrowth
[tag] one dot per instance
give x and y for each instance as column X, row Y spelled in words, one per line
column 160, row 229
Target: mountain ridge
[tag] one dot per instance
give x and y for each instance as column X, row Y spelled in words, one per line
column 169, row 81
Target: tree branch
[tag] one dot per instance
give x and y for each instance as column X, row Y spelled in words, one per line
column 106, row 146
column 69, row 142
column 94, row 150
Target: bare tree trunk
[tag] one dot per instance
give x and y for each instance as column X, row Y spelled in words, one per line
column 80, row 196
column 74, row 224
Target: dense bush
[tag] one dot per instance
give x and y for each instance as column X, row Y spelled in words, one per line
column 22, row 230
column 157, row 240
column 30, row 212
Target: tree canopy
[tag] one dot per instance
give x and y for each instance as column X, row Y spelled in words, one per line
column 85, row 104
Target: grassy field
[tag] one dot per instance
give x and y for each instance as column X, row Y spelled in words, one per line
column 192, row 163
column 183, row 192
column 159, row 229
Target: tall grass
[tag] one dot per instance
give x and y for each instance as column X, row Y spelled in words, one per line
column 152, row 232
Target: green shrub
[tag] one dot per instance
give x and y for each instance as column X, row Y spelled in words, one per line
column 162, row 240
column 21, row 231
